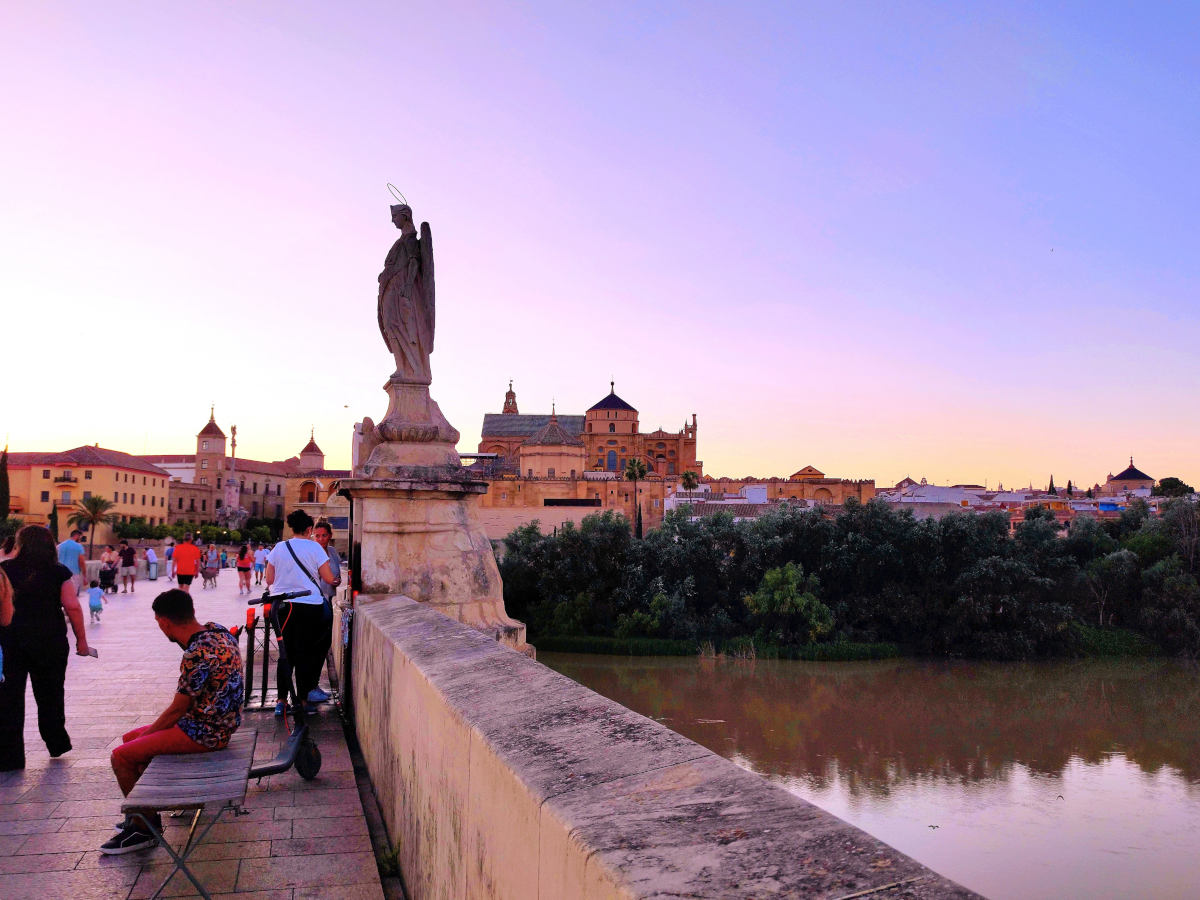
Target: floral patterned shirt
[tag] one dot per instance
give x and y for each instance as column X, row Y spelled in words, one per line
column 211, row 674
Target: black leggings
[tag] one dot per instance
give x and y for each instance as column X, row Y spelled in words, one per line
column 306, row 640
column 47, row 669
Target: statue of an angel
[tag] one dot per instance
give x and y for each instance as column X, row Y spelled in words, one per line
column 406, row 300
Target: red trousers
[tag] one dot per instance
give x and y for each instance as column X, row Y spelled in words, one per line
column 130, row 759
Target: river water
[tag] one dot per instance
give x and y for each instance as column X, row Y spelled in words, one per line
column 1054, row 779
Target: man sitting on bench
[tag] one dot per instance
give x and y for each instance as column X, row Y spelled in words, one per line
column 206, row 710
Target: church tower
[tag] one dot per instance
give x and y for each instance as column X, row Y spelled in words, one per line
column 312, row 457
column 210, row 452
column 510, row 401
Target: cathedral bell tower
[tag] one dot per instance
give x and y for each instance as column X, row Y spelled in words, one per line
column 510, row 401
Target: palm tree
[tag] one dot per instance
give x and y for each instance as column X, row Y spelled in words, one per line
column 91, row 512
column 635, row 471
column 689, row 480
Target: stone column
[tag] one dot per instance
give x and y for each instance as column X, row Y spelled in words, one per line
column 415, row 514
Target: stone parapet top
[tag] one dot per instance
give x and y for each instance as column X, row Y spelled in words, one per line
column 439, row 481
column 571, row 794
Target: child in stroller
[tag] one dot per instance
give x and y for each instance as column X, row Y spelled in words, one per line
column 108, row 577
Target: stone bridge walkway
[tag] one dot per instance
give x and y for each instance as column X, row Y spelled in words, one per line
column 301, row 839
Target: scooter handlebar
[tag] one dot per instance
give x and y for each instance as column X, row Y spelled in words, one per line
column 268, row 597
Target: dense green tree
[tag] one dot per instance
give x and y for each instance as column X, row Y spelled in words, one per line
column 1181, row 521
column 1070, row 489
column 785, row 608
column 1051, row 489
column 1171, row 607
column 955, row 586
column 1173, row 487
column 1113, row 581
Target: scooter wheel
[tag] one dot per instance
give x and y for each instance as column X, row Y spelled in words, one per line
column 308, row 760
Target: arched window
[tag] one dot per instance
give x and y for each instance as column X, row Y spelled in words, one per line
column 308, row 492
column 612, row 429
column 612, row 461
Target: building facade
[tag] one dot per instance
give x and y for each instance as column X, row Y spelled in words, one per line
column 609, row 433
column 40, row 482
column 214, row 476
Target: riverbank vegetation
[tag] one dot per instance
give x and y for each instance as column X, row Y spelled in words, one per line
column 871, row 581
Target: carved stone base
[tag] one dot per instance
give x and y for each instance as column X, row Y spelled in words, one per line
column 420, row 537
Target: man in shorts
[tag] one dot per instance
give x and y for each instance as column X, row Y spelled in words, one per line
column 128, row 570
column 187, row 562
column 204, row 714
column 72, row 555
column 169, row 553
column 260, row 563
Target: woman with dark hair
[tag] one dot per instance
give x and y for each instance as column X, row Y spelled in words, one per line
column 244, row 563
column 35, row 645
column 300, row 564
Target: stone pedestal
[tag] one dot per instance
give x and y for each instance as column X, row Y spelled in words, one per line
column 415, row 519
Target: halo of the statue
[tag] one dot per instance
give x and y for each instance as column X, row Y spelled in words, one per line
column 396, row 193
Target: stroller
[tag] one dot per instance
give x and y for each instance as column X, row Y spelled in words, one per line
column 108, row 578
column 208, row 574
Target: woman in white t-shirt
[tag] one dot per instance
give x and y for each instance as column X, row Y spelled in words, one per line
column 298, row 564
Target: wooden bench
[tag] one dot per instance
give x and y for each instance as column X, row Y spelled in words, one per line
column 196, row 781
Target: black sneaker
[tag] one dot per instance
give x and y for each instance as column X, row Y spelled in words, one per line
column 128, row 840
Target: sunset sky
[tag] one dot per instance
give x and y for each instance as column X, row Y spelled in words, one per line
column 914, row 239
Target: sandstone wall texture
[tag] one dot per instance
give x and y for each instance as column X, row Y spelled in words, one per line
column 498, row 777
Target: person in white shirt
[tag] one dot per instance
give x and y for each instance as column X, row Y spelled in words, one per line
column 260, row 563
column 301, row 564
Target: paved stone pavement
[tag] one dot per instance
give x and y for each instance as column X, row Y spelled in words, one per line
column 300, row 841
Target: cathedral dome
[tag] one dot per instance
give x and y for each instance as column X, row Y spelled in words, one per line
column 612, row 401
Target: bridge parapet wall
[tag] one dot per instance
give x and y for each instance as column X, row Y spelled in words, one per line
column 498, row 777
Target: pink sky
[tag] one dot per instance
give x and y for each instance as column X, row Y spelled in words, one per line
column 916, row 242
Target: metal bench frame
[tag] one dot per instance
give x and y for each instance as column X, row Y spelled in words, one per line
column 196, row 781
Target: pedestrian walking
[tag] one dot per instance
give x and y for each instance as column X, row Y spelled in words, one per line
column 96, row 600
column 128, row 570
column 187, row 562
column 244, row 563
column 169, row 553
column 72, row 555
column 35, row 645
column 260, row 563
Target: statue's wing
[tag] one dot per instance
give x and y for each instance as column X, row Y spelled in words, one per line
column 427, row 274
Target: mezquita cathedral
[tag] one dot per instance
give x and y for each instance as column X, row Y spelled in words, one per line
column 557, row 468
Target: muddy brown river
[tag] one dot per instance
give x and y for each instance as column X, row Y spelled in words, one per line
column 1058, row 779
